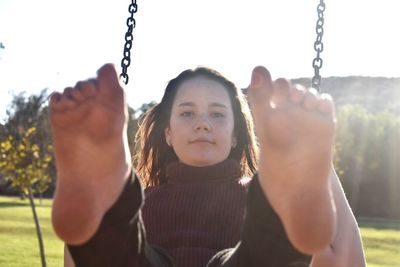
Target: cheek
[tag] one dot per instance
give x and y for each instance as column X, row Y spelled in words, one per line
column 178, row 129
column 226, row 133
column 226, row 127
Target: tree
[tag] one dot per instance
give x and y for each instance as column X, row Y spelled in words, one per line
column 350, row 148
column 367, row 159
column 26, row 156
column 379, row 188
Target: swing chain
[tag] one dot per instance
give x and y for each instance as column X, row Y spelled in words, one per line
column 318, row 46
column 126, row 60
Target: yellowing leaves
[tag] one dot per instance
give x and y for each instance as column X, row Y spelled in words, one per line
column 35, row 148
column 31, row 131
column 6, row 145
column 24, row 163
column 47, row 158
column 21, row 147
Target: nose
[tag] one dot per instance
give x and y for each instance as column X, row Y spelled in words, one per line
column 202, row 123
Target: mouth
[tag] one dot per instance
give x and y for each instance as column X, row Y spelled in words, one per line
column 201, row 141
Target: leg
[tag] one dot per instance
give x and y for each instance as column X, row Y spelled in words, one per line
column 295, row 128
column 91, row 151
column 96, row 208
column 263, row 241
column 120, row 240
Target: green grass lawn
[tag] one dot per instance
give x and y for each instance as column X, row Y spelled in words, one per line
column 19, row 245
column 382, row 243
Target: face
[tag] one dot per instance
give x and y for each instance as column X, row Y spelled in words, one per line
column 201, row 124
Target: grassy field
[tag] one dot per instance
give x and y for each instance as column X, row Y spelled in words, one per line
column 381, row 242
column 18, row 242
column 19, row 245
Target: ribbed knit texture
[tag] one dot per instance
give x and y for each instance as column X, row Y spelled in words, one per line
column 198, row 213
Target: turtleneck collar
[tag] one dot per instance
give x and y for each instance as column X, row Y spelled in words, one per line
column 178, row 172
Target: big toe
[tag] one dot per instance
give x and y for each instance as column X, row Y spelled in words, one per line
column 260, row 88
column 108, row 82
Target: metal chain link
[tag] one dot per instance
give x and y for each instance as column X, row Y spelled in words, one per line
column 1, row 47
column 318, row 46
column 126, row 60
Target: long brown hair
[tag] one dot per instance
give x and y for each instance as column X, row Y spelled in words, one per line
column 152, row 152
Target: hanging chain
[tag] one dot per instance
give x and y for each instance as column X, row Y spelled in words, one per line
column 1, row 47
column 318, row 46
column 126, row 60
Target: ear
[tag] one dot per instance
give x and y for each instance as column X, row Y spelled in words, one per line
column 234, row 141
column 167, row 134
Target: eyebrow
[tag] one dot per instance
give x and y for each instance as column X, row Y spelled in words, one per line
column 191, row 104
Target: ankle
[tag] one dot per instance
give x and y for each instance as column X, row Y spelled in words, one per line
column 76, row 216
column 309, row 219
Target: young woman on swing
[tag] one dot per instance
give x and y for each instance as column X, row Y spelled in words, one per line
column 196, row 147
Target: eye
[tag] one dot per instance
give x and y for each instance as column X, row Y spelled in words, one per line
column 217, row 115
column 187, row 114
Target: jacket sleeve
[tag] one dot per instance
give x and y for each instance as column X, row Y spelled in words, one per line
column 120, row 240
column 263, row 241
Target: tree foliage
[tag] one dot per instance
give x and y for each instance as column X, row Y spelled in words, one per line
column 25, row 153
column 24, row 164
column 368, row 160
column 25, row 145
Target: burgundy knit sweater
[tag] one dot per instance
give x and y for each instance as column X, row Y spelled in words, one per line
column 199, row 212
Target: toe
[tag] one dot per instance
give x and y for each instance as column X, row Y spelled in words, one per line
column 87, row 89
column 260, row 88
column 326, row 105
column 78, row 92
column 297, row 94
column 67, row 93
column 311, row 99
column 281, row 91
column 108, row 82
column 62, row 102
column 67, row 102
column 55, row 100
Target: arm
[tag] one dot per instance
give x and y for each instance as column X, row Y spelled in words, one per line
column 68, row 261
column 346, row 248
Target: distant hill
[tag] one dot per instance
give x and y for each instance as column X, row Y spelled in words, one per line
column 374, row 93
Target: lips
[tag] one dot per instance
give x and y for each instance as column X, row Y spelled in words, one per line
column 201, row 140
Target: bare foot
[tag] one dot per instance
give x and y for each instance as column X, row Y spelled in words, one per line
column 295, row 128
column 92, row 154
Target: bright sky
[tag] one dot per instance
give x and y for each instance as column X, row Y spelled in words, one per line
column 54, row 43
